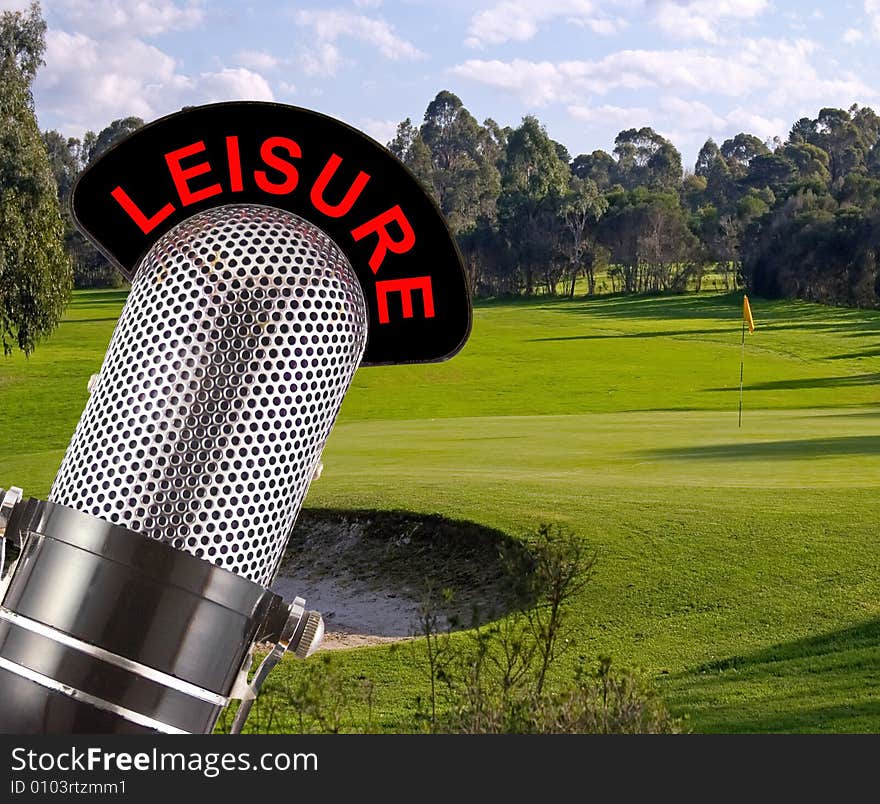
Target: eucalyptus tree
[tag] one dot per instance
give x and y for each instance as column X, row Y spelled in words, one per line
column 647, row 159
column 580, row 208
column 463, row 159
column 598, row 166
column 533, row 183
column 739, row 151
column 35, row 275
column 409, row 147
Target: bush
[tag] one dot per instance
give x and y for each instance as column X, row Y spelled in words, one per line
column 501, row 678
column 504, row 678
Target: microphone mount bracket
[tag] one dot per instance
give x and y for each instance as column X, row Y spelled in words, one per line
column 150, row 639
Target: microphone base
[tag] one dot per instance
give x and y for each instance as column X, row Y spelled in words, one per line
column 103, row 630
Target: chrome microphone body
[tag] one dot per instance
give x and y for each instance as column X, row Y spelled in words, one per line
column 142, row 584
column 223, row 378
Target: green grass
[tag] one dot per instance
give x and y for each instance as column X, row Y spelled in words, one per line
column 737, row 567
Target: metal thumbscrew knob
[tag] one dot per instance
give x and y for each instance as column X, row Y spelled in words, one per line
column 311, row 636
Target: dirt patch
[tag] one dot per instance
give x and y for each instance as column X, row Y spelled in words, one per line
column 368, row 572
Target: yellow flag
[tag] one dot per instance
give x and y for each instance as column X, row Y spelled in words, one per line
column 747, row 314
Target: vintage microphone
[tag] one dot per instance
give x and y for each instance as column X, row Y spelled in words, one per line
column 141, row 587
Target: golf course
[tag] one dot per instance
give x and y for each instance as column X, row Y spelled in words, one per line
column 737, row 567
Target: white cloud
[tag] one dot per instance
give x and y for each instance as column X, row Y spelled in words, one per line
column 605, row 115
column 696, row 118
column 741, row 119
column 257, row 59
column 14, row 5
column 604, row 26
column 133, row 17
column 701, row 19
column 852, row 35
column 690, row 115
column 87, row 83
column 789, row 76
column 679, row 22
column 534, row 83
column 872, row 9
column 777, row 71
column 368, row 3
column 759, row 86
column 690, row 120
column 323, row 59
column 519, row 20
column 540, row 83
column 228, row 84
column 328, row 27
column 380, row 130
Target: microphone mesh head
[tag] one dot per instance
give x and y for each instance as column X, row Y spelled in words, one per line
column 240, row 336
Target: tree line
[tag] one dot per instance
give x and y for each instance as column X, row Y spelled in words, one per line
column 796, row 218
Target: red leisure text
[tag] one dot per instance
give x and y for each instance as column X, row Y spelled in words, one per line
column 195, row 179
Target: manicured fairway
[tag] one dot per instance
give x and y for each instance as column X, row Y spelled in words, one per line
column 737, row 567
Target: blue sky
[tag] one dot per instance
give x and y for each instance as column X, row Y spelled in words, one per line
column 586, row 68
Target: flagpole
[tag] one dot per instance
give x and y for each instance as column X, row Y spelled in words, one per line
column 742, row 361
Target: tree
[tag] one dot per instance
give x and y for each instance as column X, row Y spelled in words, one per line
column 526, row 218
column 846, row 135
column 495, row 141
column 403, row 139
column 646, row 159
column 35, row 275
column 581, row 205
column 534, row 181
column 649, row 239
column 721, row 189
column 457, row 161
column 804, row 130
column 872, row 160
column 22, row 42
column 751, row 207
column 693, row 190
column 532, row 164
column 562, row 153
column 463, row 156
column 64, row 161
column 860, row 191
column 812, row 248
column 118, row 130
column 739, row 152
column 409, row 147
column 68, row 158
column 599, row 167
column 810, row 161
column 486, row 260
column 707, row 157
column 770, row 171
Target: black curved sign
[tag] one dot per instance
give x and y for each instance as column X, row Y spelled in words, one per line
column 316, row 167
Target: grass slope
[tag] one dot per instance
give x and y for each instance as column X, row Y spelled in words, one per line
column 738, row 567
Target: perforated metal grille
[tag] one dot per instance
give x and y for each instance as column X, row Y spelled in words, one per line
column 227, row 368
